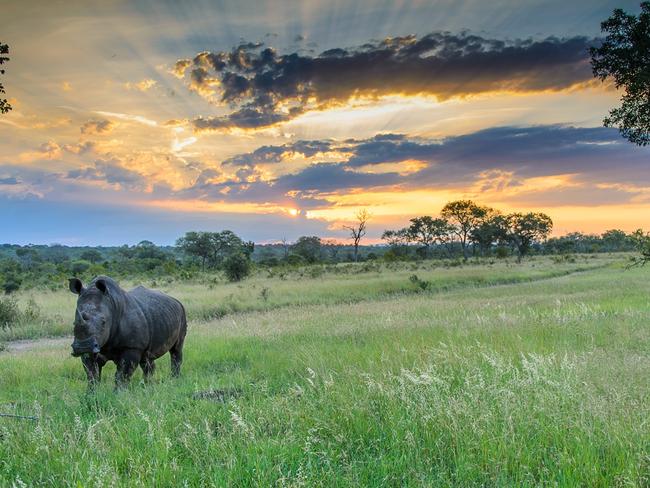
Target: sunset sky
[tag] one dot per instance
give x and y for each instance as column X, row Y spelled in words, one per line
column 141, row 120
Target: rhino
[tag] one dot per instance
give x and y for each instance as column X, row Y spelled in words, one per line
column 127, row 327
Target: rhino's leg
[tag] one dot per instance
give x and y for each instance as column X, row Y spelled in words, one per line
column 148, row 367
column 93, row 367
column 176, row 353
column 126, row 366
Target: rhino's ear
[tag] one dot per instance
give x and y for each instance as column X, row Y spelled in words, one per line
column 75, row 285
column 101, row 286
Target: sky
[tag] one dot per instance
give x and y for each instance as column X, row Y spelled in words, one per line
column 137, row 120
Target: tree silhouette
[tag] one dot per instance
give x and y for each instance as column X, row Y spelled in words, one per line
column 212, row 247
column 464, row 216
column 528, row 228
column 5, row 106
column 492, row 228
column 624, row 56
column 308, row 247
column 427, row 231
column 358, row 230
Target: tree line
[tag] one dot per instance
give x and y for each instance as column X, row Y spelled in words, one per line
column 471, row 227
column 463, row 229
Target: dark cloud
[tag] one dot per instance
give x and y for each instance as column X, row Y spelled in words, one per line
column 493, row 158
column 303, row 188
column 97, row 126
column 274, row 154
column 602, row 168
column 109, row 171
column 330, row 177
column 264, row 87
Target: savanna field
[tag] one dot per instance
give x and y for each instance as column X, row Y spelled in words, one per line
column 486, row 374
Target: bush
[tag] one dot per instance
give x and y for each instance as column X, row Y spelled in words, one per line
column 391, row 256
column 9, row 313
column 295, row 260
column 502, row 252
column 237, row 267
column 11, row 283
column 79, row 267
column 421, row 284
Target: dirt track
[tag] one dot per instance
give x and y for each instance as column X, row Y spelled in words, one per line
column 18, row 347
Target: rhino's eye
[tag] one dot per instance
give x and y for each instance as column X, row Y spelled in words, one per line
column 84, row 316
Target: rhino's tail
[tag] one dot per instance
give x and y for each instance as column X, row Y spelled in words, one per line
column 176, row 351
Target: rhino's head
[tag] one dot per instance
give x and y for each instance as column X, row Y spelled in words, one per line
column 92, row 317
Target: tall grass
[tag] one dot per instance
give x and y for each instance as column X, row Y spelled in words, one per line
column 535, row 383
column 209, row 297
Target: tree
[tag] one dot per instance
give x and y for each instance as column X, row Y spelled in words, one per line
column 224, row 244
column 196, row 244
column 332, row 247
column 307, row 247
column 358, row 230
column 28, row 257
column 4, row 104
column 398, row 241
column 624, row 56
column 237, row 266
column 148, row 250
column 615, row 240
column 285, row 247
column 396, row 238
column 524, row 229
column 490, row 230
column 212, row 247
column 464, row 216
column 641, row 242
column 92, row 255
column 426, row 231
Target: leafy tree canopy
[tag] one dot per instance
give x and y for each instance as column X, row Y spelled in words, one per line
column 4, row 104
column 624, row 56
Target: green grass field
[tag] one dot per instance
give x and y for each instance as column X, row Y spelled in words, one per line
column 495, row 375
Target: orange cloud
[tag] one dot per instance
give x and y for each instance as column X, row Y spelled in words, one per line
column 143, row 85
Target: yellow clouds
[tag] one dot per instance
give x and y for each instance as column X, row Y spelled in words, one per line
column 97, row 127
column 180, row 67
column 386, row 203
column 401, row 168
column 48, row 150
column 183, row 205
column 129, row 117
column 143, row 85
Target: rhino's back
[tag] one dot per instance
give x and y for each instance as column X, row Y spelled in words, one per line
column 164, row 318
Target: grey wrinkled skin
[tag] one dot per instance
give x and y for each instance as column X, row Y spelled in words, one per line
column 130, row 328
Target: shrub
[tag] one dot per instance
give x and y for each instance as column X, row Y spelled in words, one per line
column 422, row 284
column 11, row 284
column 237, row 267
column 502, row 252
column 9, row 313
column 295, row 260
column 316, row 272
column 79, row 267
column 265, row 293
